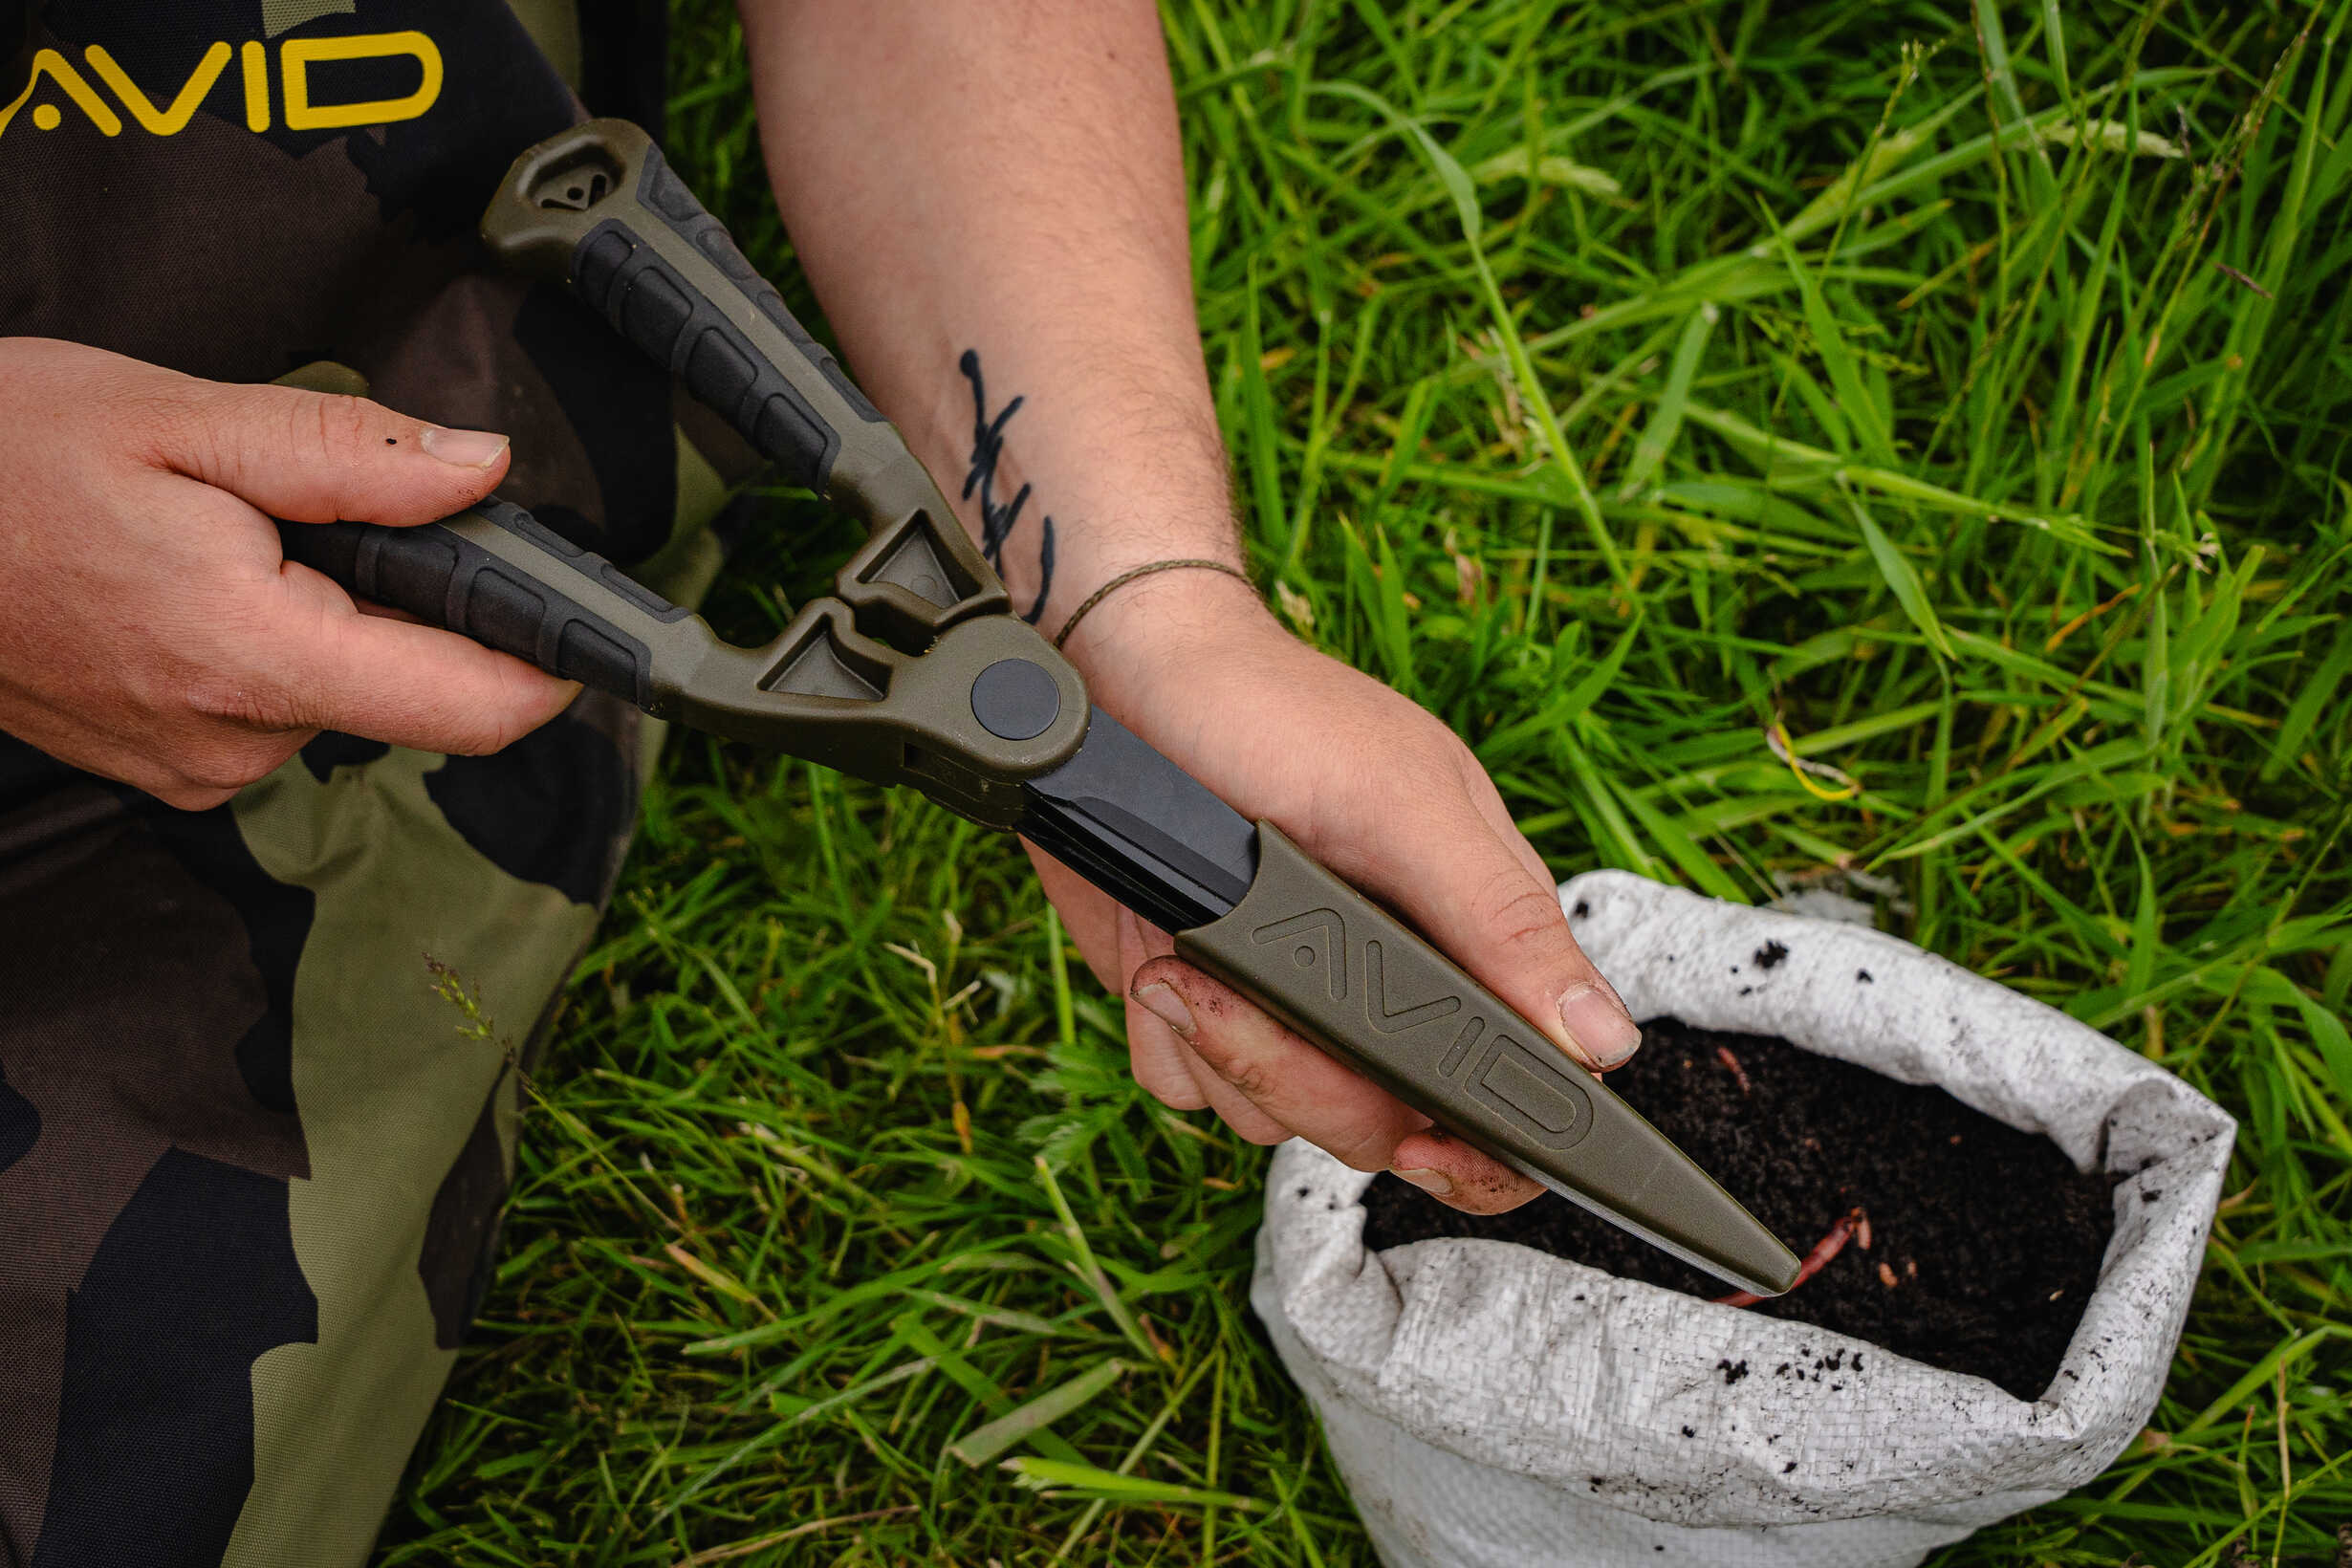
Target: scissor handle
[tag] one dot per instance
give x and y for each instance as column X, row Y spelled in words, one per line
column 912, row 673
column 599, row 207
column 501, row 578
column 966, row 723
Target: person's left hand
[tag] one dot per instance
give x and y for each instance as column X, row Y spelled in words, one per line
column 1380, row 792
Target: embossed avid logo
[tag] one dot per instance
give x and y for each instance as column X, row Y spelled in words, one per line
column 1523, row 1085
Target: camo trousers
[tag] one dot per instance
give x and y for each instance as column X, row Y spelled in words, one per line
column 251, row 1164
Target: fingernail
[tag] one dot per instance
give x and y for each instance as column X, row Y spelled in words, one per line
column 1435, row 1183
column 463, row 448
column 1598, row 1023
column 1163, row 1004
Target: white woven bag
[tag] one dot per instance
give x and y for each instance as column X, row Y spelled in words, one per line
column 1493, row 1406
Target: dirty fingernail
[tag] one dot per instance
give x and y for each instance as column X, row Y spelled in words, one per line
column 1597, row 1022
column 1164, row 1005
column 1435, row 1183
column 463, row 448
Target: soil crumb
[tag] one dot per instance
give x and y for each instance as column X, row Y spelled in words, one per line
column 1991, row 1237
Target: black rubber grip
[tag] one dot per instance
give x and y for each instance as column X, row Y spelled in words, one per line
column 651, row 304
column 445, row 579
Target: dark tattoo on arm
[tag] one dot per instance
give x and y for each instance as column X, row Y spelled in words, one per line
column 998, row 519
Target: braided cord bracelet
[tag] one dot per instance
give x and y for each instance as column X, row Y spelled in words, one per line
column 1129, row 576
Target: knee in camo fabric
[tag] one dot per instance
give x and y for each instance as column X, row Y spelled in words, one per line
column 251, row 1165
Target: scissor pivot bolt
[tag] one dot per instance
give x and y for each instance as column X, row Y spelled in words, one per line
column 1016, row 700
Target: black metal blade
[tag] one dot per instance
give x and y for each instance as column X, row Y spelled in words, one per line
column 1141, row 829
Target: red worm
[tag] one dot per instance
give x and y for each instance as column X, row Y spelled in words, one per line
column 1723, row 1055
column 1827, row 1248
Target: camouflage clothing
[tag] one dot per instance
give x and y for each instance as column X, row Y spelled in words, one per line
column 249, row 1169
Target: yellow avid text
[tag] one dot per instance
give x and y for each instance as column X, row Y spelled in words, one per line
column 295, row 57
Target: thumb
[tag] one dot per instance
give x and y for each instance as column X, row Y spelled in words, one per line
column 314, row 457
column 397, row 682
column 1474, row 895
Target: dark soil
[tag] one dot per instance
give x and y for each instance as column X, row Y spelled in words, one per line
column 1992, row 1237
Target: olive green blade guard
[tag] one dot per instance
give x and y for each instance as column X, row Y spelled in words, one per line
column 1331, row 964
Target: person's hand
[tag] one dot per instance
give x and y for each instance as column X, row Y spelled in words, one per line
column 154, row 632
column 1379, row 790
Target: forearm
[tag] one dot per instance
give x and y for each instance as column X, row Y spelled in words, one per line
column 987, row 196
column 1002, row 177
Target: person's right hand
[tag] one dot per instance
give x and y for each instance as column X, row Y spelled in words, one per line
column 151, row 629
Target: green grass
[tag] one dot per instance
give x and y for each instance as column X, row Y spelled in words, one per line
column 2015, row 484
